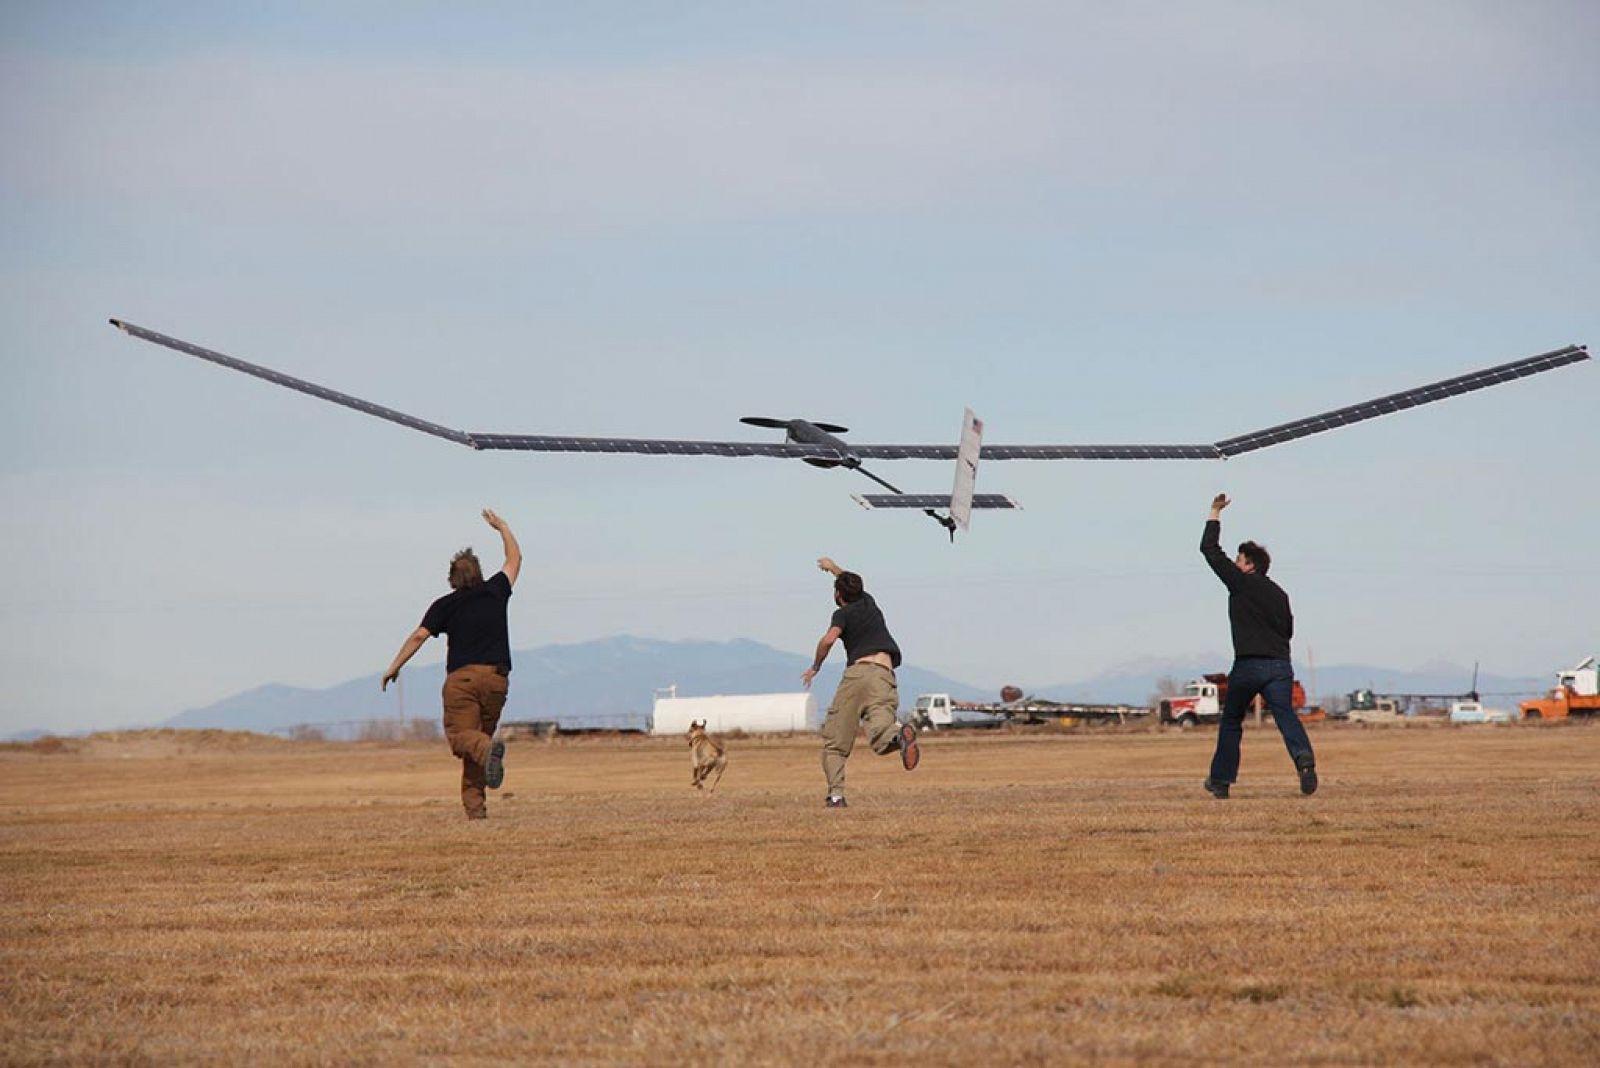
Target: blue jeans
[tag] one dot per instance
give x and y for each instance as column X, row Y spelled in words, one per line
column 1274, row 680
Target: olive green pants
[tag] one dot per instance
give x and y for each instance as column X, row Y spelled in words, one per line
column 867, row 696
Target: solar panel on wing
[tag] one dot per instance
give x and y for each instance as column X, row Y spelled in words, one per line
column 1233, row 446
column 1411, row 398
column 652, row 446
column 289, row 382
column 1041, row 452
column 930, row 500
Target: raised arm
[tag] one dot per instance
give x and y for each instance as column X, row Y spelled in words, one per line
column 508, row 540
column 1211, row 544
column 825, row 644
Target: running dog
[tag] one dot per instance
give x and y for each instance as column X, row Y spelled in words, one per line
column 707, row 755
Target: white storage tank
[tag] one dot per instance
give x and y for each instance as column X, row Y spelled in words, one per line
column 756, row 713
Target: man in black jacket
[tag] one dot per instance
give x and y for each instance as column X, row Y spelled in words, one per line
column 1262, row 623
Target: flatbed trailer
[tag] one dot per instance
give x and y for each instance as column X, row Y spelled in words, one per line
column 935, row 710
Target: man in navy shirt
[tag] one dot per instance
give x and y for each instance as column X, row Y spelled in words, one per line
column 473, row 614
column 867, row 693
column 1262, row 624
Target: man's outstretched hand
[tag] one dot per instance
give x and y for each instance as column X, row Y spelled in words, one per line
column 494, row 520
column 1218, row 503
column 387, row 679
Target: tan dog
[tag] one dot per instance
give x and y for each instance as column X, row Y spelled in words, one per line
column 707, row 755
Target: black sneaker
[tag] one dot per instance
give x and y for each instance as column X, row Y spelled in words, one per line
column 1218, row 790
column 1308, row 776
column 494, row 772
column 836, row 802
column 910, row 752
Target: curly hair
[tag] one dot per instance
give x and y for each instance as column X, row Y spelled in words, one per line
column 1257, row 555
column 465, row 571
column 848, row 586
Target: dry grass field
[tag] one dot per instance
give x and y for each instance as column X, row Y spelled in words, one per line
column 1020, row 899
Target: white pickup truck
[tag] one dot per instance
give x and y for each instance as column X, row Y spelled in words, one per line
column 1474, row 712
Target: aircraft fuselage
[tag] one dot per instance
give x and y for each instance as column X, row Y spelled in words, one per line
column 803, row 432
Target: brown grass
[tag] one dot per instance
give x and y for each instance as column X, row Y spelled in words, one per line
column 1017, row 900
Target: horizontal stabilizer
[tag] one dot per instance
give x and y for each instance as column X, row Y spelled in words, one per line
column 930, row 500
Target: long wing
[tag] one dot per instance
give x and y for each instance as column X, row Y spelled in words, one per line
column 532, row 442
column 651, row 446
column 1259, row 439
column 1042, row 452
column 1234, row 446
column 278, row 378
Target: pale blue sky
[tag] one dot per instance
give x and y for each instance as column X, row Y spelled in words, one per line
column 1089, row 224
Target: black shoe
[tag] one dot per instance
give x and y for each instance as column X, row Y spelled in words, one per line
column 1308, row 776
column 1218, row 790
column 494, row 772
column 910, row 752
column 836, row 802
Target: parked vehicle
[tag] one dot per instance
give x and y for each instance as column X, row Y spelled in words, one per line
column 1474, row 712
column 1202, row 701
column 754, row 713
column 1368, row 707
column 935, row 710
column 1576, row 693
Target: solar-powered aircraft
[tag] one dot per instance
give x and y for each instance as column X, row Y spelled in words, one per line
column 818, row 443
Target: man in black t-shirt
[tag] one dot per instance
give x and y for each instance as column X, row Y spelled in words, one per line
column 478, row 663
column 867, row 693
column 1262, row 625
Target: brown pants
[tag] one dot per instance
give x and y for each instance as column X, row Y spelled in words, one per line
column 867, row 695
column 473, row 698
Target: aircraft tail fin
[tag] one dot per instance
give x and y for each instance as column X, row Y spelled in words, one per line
column 962, row 499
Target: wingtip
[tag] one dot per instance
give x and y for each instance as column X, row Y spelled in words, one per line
column 119, row 324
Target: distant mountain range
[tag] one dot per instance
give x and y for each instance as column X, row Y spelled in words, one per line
column 612, row 682
column 607, row 683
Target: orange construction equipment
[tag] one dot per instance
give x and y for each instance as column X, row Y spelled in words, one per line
column 1576, row 693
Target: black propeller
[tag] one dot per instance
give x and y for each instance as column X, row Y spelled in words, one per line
column 783, row 424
